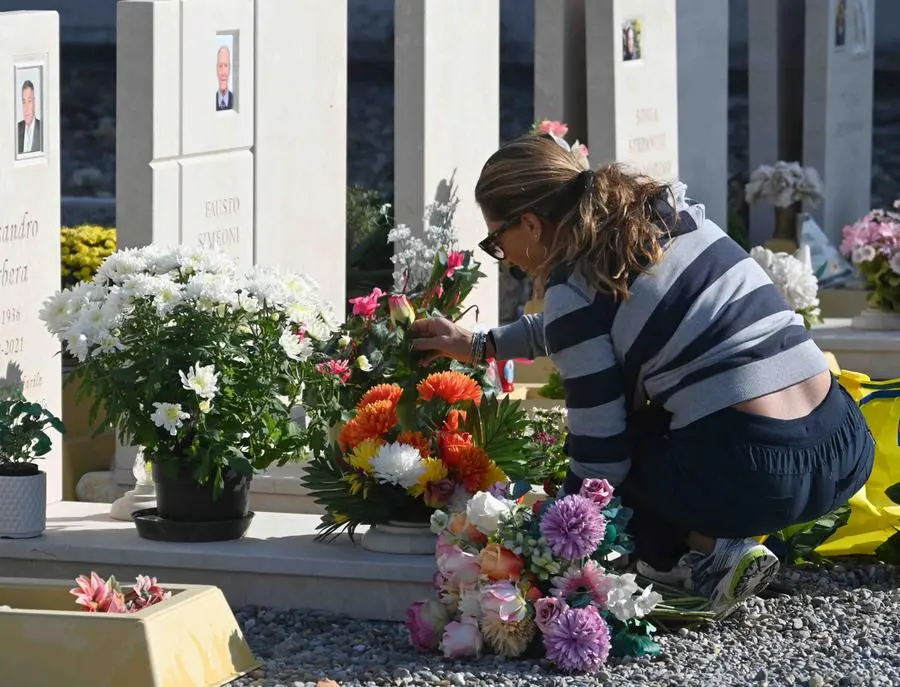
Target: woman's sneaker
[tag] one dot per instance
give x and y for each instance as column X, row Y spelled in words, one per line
column 736, row 570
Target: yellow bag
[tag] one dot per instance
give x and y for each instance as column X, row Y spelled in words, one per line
column 873, row 516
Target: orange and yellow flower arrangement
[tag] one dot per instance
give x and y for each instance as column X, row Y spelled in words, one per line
column 405, row 453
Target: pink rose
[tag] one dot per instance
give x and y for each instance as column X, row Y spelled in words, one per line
column 461, row 638
column 502, row 600
column 459, row 567
column 426, row 621
column 553, row 126
column 546, row 611
column 597, row 490
column 365, row 306
column 455, row 259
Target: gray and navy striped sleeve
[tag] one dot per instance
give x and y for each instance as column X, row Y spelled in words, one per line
column 577, row 325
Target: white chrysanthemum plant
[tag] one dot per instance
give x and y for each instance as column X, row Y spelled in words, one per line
column 195, row 361
column 784, row 184
column 794, row 278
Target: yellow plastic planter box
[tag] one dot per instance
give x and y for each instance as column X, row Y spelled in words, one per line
column 190, row 639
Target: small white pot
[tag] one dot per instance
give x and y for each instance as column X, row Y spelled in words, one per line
column 23, row 506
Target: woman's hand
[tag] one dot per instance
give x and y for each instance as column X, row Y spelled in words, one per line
column 437, row 336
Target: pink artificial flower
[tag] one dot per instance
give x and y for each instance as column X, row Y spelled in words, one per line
column 502, row 601
column 546, row 611
column 553, row 126
column 459, row 566
column 365, row 306
column 590, row 580
column 446, row 544
column 425, row 621
column 146, row 592
column 438, row 291
column 96, row 595
column 455, row 259
column 581, row 150
column 461, row 638
column 401, row 310
column 339, row 368
column 597, row 490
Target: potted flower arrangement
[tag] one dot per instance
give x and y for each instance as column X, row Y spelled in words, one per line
column 23, row 485
column 546, row 429
column 201, row 366
column 794, row 279
column 535, row 580
column 786, row 186
column 412, row 437
column 402, row 455
column 873, row 245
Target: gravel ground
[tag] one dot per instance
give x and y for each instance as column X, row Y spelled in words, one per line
column 836, row 627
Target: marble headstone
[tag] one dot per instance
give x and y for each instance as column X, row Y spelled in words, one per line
column 632, row 85
column 703, row 103
column 837, row 108
column 231, row 133
column 446, row 117
column 29, row 215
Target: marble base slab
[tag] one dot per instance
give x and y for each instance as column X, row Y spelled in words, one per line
column 276, row 564
column 872, row 352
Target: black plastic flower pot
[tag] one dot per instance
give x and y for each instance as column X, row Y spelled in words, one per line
column 180, row 498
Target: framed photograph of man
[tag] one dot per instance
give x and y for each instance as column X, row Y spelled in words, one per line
column 28, row 83
column 840, row 24
column 226, row 67
column 632, row 40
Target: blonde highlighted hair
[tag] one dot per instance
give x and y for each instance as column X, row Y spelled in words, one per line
column 601, row 224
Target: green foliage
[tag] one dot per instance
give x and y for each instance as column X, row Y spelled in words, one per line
column 889, row 552
column 23, row 435
column 498, row 426
column 368, row 251
column 553, row 389
column 883, row 282
column 737, row 230
column 546, row 431
column 799, row 542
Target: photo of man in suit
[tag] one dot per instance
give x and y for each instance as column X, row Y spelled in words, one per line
column 29, row 133
column 224, row 95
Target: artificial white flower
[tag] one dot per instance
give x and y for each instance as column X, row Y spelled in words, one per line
column 485, row 512
column 169, row 416
column 399, row 464
column 362, row 362
column 203, row 380
column 344, row 341
column 470, row 599
column 793, row 278
column 294, row 347
column 621, row 599
column 863, row 254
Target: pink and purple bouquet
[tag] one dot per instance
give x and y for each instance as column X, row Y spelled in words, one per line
column 873, row 245
column 535, row 580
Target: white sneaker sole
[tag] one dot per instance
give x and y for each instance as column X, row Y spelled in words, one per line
column 751, row 575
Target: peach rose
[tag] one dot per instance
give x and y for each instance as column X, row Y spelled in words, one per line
column 498, row 563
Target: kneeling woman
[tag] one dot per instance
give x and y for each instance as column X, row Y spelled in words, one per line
column 689, row 384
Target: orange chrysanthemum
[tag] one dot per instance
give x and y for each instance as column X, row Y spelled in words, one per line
column 418, row 440
column 472, row 467
column 452, row 387
column 381, row 392
column 371, row 422
column 454, row 418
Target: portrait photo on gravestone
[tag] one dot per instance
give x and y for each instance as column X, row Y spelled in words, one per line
column 226, row 64
column 840, row 24
column 28, row 85
column 632, row 44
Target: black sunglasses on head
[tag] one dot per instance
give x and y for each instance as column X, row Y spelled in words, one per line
column 490, row 245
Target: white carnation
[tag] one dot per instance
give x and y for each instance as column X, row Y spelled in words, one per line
column 399, row 464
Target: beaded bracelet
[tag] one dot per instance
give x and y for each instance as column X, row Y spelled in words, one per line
column 479, row 341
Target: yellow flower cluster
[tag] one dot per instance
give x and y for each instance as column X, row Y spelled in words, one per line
column 84, row 248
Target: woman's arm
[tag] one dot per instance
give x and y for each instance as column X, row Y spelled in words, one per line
column 523, row 338
column 577, row 337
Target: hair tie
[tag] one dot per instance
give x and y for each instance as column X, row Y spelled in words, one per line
column 587, row 177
